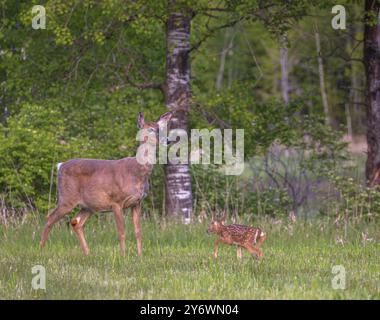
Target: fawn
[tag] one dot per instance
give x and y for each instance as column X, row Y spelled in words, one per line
column 249, row 238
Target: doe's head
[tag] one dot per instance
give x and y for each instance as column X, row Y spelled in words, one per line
column 151, row 130
column 216, row 225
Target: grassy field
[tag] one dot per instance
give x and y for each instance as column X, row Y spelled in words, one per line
column 177, row 263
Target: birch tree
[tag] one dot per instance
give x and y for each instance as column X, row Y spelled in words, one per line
column 178, row 191
column 321, row 73
column 284, row 68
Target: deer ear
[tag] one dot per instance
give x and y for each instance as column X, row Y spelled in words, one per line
column 140, row 120
column 165, row 118
column 224, row 218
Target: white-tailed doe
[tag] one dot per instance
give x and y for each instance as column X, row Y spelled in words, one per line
column 105, row 185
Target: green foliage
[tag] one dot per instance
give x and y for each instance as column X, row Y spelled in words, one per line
column 236, row 196
column 286, row 180
column 263, row 123
column 324, row 146
column 30, row 146
column 357, row 200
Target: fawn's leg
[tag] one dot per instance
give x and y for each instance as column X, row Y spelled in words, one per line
column 118, row 214
column 260, row 254
column 77, row 224
column 260, row 241
column 136, row 212
column 254, row 251
column 56, row 215
column 216, row 245
column 238, row 252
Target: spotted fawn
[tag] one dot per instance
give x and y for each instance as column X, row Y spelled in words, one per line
column 249, row 238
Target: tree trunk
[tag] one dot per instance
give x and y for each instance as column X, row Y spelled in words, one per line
column 321, row 76
column 372, row 69
column 220, row 75
column 178, row 192
column 352, row 107
column 356, row 98
column 227, row 46
column 4, row 117
column 231, row 68
column 348, row 121
column 284, row 69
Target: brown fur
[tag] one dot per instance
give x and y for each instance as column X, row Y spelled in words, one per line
column 246, row 237
column 104, row 185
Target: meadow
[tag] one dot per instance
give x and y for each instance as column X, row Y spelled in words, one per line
column 177, row 262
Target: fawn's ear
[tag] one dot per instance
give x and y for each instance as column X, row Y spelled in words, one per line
column 140, row 120
column 224, row 218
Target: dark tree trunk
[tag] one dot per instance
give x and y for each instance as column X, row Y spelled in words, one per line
column 372, row 69
column 353, row 94
column 178, row 191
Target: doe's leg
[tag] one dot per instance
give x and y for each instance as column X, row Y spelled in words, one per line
column 77, row 223
column 118, row 214
column 136, row 212
column 56, row 215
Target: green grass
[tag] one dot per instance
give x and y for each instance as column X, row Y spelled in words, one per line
column 177, row 263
